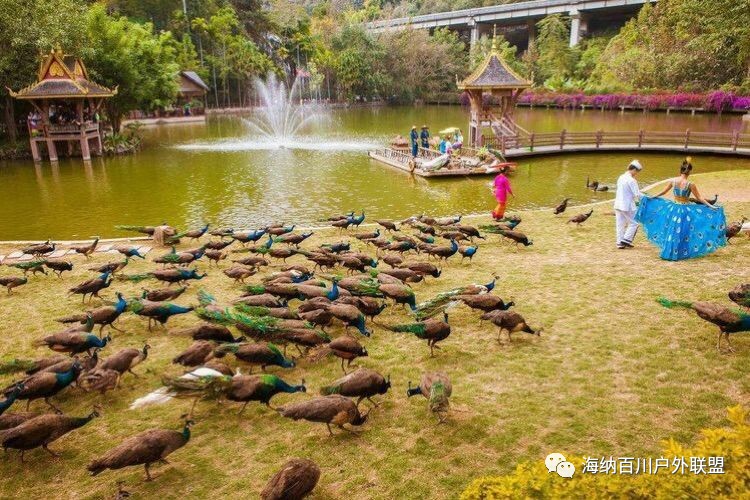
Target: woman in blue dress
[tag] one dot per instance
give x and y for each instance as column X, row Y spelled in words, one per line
column 680, row 228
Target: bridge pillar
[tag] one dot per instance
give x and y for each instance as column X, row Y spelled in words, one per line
column 531, row 27
column 578, row 27
column 474, row 37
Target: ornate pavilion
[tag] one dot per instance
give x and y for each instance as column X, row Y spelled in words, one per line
column 502, row 86
column 65, row 107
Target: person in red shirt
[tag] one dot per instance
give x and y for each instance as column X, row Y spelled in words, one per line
column 502, row 189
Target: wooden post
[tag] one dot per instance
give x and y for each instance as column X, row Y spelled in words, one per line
column 562, row 138
column 640, row 138
column 687, row 138
column 531, row 141
column 502, row 144
column 735, row 139
column 599, row 135
column 34, row 150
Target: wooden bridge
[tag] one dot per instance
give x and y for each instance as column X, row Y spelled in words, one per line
column 531, row 144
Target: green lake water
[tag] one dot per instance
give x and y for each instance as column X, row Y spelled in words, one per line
column 219, row 172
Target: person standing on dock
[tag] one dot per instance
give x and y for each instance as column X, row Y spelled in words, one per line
column 502, row 189
column 414, row 141
column 627, row 194
column 424, row 136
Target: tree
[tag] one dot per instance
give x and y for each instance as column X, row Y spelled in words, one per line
column 129, row 56
column 556, row 59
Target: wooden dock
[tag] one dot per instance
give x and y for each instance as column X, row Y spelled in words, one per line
column 529, row 145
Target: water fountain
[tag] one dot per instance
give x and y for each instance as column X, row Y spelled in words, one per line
column 279, row 122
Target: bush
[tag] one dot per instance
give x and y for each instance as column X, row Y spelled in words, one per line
column 531, row 480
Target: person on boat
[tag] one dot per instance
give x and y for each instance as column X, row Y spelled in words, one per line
column 424, row 136
column 445, row 146
column 627, row 194
column 501, row 188
column 681, row 229
column 414, row 141
column 458, row 139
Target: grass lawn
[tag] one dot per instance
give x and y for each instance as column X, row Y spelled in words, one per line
column 613, row 373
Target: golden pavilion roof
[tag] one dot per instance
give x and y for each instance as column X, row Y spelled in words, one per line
column 62, row 76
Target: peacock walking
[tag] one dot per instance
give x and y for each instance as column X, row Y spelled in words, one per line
column 444, row 300
column 728, row 320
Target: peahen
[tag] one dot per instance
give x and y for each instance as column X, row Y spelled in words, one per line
column 561, row 207
column 42, row 431
column 39, row 248
column 509, row 321
column 11, row 282
column 296, row 479
column 86, row 250
column 362, row 383
column 581, row 218
column 432, row 330
column 344, row 347
column 59, row 266
column 728, row 320
column 334, row 409
column 740, row 295
column 195, row 234
column 144, row 449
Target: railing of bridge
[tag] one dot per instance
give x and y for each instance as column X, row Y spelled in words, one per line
column 638, row 139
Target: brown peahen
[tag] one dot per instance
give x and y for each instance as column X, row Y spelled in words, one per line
column 432, row 330
column 102, row 316
column 145, row 449
column 345, row 348
column 509, row 321
column 11, row 282
column 92, row 286
column 362, row 383
column 330, row 410
column 581, row 218
column 163, row 294
column 86, row 250
column 198, row 353
column 59, row 266
column 42, row 431
column 561, row 207
column 296, row 479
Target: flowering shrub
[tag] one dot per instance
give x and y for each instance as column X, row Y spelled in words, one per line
column 531, row 480
column 715, row 101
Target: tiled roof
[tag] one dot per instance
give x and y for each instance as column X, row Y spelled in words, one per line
column 494, row 73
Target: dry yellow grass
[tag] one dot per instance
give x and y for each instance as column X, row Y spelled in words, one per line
column 612, row 374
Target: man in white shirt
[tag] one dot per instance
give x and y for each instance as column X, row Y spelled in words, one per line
column 627, row 194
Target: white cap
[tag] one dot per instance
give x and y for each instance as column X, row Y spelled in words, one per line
column 636, row 164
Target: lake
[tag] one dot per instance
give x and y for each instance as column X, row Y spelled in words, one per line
column 219, row 172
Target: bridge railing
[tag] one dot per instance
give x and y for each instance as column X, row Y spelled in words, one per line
column 637, row 139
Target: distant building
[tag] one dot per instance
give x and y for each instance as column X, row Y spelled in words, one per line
column 192, row 90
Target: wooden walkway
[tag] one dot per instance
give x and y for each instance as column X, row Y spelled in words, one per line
column 529, row 145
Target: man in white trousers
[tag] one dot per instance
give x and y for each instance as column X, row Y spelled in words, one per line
column 625, row 198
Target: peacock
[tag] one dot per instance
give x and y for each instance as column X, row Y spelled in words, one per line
column 130, row 251
column 741, row 295
column 86, row 250
column 59, row 266
column 42, row 431
column 296, row 479
column 344, row 347
column 432, row 330
column 170, row 275
column 144, row 449
column 334, row 409
column 728, row 320
column 11, row 397
column 509, row 321
column 561, row 207
column 443, row 300
column 102, row 316
column 32, row 266
column 255, row 354
column 39, row 248
column 156, row 312
column 195, row 234
column 92, row 286
column 467, row 252
column 362, row 383
column 11, row 282
column 437, row 388
column 44, row 385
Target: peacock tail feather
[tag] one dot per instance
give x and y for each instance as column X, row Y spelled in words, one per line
column 276, row 350
column 15, row 365
column 255, row 289
column 215, row 316
column 330, row 389
column 671, row 304
column 489, row 228
column 207, row 387
column 260, row 324
column 368, row 287
column 438, row 398
column 205, row 298
column 135, row 306
column 417, row 329
column 252, row 310
column 136, row 278
column 437, row 304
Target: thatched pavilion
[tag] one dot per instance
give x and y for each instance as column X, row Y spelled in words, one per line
column 493, row 90
column 66, row 104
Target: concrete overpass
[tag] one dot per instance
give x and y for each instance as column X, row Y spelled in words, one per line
column 585, row 14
